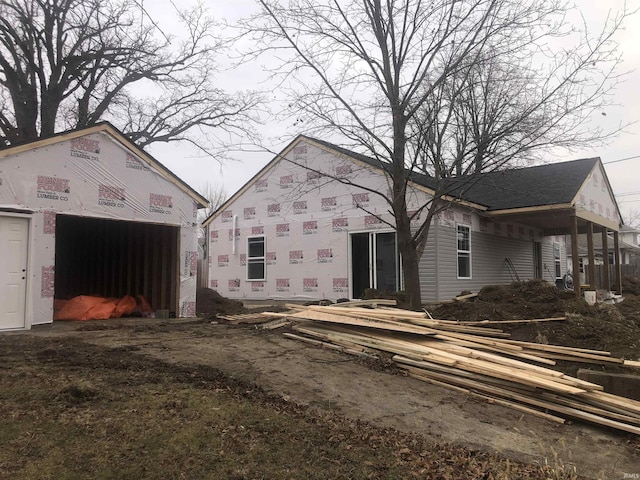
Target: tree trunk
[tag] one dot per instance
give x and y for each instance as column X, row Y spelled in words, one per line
column 410, row 268
column 403, row 223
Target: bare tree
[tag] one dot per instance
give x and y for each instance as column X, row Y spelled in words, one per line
column 633, row 218
column 216, row 194
column 72, row 63
column 417, row 85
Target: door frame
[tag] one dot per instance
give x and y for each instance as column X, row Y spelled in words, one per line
column 28, row 306
column 372, row 254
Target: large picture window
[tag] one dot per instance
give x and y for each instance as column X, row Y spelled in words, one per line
column 255, row 258
column 464, row 251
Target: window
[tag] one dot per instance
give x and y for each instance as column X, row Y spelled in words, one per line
column 255, row 258
column 464, row 251
column 556, row 259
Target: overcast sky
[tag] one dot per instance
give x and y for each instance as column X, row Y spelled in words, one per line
column 624, row 176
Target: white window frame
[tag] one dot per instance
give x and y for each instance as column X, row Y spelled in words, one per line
column 557, row 261
column 257, row 259
column 463, row 252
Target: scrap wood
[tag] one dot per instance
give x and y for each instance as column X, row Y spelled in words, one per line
column 462, row 298
column 372, row 302
column 322, row 316
column 604, row 398
column 457, row 327
column 482, row 365
column 528, row 400
column 477, row 335
column 331, row 346
column 581, row 357
column 472, row 360
column 556, row 348
column 382, row 313
column 244, row 318
column 632, row 363
column 519, row 407
column 616, row 414
column 498, row 322
column 417, row 318
column 277, row 323
column 490, row 399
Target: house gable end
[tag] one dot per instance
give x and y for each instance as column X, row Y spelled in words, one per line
column 83, row 145
column 595, row 196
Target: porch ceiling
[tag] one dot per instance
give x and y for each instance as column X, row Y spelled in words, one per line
column 554, row 220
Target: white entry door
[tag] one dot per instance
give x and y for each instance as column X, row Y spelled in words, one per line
column 13, row 271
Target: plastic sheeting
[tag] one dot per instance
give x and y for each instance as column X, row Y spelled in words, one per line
column 87, row 307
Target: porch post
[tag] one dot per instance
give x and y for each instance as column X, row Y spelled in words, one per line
column 605, row 260
column 592, row 257
column 573, row 220
column 618, row 269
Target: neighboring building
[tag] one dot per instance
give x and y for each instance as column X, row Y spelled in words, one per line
column 311, row 224
column 629, row 245
column 87, row 212
column 629, row 252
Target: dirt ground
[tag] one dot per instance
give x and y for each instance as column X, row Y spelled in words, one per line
column 345, row 386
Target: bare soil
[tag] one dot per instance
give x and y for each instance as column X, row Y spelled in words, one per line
column 366, row 405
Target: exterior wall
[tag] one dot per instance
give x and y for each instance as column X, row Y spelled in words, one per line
column 306, row 219
column 429, row 271
column 491, row 244
column 92, row 176
column 596, row 197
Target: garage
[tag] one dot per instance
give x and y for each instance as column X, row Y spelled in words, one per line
column 111, row 258
column 86, row 212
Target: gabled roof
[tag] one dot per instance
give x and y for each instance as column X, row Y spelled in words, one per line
column 551, row 184
column 538, row 186
column 108, row 129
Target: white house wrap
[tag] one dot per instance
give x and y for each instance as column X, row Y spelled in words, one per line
column 314, row 224
column 97, row 216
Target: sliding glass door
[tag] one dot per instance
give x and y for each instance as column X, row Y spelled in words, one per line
column 374, row 262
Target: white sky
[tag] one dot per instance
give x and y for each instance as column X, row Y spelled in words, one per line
column 624, row 176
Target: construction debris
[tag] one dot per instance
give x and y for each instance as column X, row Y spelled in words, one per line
column 244, row 318
column 472, row 358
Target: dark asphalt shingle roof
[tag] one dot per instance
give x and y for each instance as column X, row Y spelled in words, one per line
column 540, row 185
column 551, row 184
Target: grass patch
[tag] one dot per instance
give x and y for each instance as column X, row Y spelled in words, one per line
column 72, row 410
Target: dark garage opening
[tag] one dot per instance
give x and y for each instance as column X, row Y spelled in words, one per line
column 113, row 258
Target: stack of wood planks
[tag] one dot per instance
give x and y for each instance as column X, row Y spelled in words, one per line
column 470, row 357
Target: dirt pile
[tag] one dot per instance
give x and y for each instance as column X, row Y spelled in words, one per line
column 519, row 300
column 631, row 285
column 614, row 328
column 210, row 303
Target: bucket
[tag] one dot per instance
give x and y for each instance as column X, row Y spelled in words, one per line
column 590, row 297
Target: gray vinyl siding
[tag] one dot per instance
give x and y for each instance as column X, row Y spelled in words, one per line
column 427, row 266
column 488, row 265
column 548, row 266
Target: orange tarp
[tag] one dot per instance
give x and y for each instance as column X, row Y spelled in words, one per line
column 87, row 307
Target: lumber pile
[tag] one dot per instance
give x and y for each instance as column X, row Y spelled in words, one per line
column 244, row 318
column 475, row 359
